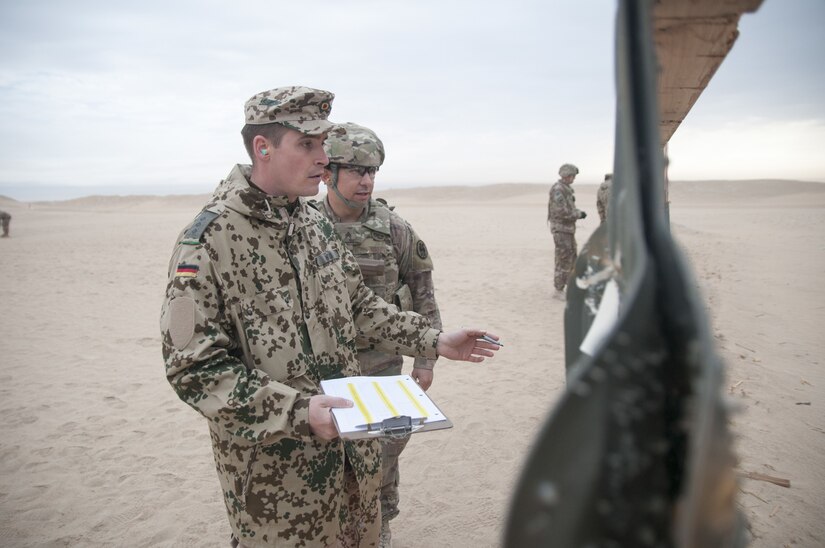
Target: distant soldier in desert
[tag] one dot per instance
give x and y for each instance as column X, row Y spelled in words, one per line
column 603, row 196
column 395, row 263
column 562, row 216
column 5, row 220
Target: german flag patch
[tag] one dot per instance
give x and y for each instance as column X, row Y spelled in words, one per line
column 187, row 271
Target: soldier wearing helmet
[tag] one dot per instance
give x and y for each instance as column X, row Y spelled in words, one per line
column 5, row 220
column 562, row 216
column 395, row 264
column 603, row 196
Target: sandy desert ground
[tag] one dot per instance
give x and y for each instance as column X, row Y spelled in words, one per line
column 97, row 451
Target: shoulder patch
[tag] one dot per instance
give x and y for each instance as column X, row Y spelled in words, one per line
column 193, row 234
column 421, row 249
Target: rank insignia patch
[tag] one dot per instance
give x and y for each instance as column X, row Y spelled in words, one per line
column 187, row 271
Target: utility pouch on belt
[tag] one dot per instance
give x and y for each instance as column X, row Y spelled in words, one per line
column 370, row 267
column 403, row 298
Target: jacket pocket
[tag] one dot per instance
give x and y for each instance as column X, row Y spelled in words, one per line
column 273, row 342
column 330, row 323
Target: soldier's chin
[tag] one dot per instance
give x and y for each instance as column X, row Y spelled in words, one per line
column 311, row 189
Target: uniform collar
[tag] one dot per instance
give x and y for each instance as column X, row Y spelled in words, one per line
column 237, row 193
column 363, row 217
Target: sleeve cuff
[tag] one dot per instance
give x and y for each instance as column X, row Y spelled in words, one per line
column 428, row 343
column 423, row 363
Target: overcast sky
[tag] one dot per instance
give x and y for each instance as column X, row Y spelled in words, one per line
column 149, row 95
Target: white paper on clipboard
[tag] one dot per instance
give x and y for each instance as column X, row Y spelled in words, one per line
column 380, row 398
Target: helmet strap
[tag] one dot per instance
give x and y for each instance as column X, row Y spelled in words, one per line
column 349, row 203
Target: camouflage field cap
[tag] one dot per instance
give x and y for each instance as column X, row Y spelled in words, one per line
column 297, row 107
column 359, row 146
column 568, row 169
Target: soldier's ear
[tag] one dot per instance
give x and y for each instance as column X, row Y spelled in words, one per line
column 326, row 176
column 260, row 147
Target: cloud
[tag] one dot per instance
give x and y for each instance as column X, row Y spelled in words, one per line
column 752, row 148
column 152, row 92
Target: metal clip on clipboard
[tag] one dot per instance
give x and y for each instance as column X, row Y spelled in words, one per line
column 395, row 427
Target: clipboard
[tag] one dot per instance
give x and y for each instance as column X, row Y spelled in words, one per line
column 384, row 407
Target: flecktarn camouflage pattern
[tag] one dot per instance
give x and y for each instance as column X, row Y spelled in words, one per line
column 296, row 107
column 263, row 302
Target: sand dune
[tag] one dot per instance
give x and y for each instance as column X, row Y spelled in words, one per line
column 98, row 451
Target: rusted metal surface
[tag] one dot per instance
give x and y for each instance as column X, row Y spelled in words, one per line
column 692, row 38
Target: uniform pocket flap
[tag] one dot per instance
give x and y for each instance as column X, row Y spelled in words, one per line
column 267, row 302
column 331, row 276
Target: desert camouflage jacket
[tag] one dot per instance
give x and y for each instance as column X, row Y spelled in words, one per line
column 561, row 208
column 396, row 265
column 263, row 302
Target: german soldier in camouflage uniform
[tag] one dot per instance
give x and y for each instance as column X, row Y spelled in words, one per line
column 395, row 264
column 603, row 196
column 562, row 216
column 263, row 302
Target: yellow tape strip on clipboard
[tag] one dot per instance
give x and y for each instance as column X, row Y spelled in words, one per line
column 413, row 400
column 360, row 403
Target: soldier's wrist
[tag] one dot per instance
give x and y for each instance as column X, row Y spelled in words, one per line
column 423, row 363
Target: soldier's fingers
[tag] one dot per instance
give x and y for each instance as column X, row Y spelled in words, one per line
column 335, row 401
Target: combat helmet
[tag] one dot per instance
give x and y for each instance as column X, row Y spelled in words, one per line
column 568, row 169
column 355, row 146
column 359, row 146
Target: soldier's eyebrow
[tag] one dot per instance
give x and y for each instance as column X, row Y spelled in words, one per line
column 319, row 139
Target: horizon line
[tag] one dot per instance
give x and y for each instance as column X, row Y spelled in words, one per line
column 37, row 192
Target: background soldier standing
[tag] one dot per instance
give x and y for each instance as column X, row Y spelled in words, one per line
column 395, row 264
column 562, row 216
column 264, row 302
column 603, row 196
column 5, row 220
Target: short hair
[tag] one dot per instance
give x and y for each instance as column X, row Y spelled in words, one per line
column 273, row 132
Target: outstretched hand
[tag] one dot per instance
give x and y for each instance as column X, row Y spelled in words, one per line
column 466, row 345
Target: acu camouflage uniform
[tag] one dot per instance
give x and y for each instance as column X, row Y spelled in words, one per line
column 562, row 214
column 603, row 199
column 263, row 302
column 396, row 265
column 5, row 221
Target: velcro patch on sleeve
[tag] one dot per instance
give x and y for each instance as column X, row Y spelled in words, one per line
column 181, row 321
